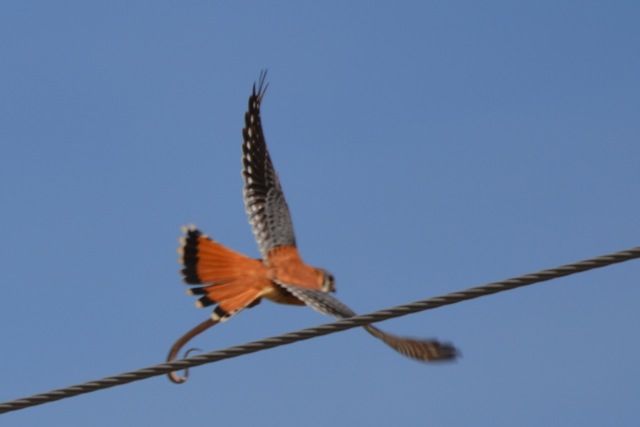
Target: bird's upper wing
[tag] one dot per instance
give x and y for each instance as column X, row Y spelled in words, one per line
column 263, row 197
column 419, row 349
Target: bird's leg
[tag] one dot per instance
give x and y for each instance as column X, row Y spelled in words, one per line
column 177, row 346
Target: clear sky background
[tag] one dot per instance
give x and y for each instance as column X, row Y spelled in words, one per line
column 424, row 147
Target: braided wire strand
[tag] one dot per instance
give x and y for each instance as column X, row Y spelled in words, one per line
column 329, row 328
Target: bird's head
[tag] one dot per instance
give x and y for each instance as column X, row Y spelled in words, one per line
column 328, row 281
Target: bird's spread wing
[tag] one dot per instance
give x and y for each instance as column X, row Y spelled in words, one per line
column 263, row 197
column 419, row 349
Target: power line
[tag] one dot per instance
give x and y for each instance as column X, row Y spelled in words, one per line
column 329, row 328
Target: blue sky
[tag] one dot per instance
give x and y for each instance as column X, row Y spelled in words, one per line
column 424, row 147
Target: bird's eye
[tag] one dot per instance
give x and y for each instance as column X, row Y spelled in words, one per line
column 328, row 282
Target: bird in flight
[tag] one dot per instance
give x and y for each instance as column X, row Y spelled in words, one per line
column 231, row 281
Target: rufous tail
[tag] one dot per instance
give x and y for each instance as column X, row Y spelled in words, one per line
column 221, row 275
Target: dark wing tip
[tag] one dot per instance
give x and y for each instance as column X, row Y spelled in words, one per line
column 447, row 352
column 424, row 350
column 260, row 87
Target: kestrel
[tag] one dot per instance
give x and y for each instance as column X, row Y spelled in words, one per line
column 233, row 281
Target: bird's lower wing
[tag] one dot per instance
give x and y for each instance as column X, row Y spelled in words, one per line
column 418, row 349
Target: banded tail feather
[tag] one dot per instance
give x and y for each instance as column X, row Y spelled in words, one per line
column 219, row 275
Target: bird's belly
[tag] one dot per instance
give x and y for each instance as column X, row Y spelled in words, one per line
column 280, row 295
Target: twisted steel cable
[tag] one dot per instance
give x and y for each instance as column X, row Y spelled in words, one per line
column 329, row 328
